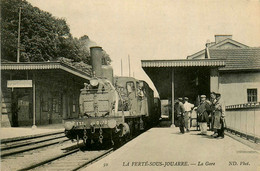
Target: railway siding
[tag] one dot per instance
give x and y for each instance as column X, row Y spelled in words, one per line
column 74, row 161
column 20, row 145
column 27, row 159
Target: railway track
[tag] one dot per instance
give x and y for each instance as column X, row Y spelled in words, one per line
column 11, row 147
column 74, row 160
column 50, row 152
column 62, row 156
column 21, row 161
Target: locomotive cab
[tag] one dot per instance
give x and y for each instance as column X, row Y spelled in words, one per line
column 98, row 99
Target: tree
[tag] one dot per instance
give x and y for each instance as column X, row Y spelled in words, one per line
column 43, row 36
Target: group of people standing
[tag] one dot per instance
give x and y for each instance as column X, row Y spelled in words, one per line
column 205, row 109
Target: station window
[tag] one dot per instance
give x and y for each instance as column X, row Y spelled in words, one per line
column 252, row 95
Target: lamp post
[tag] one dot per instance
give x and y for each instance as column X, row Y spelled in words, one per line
column 172, row 125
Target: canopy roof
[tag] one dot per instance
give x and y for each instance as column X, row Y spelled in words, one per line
column 75, row 70
column 183, row 63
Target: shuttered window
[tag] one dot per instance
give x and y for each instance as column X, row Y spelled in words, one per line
column 251, row 95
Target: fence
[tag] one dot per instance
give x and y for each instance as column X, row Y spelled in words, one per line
column 244, row 120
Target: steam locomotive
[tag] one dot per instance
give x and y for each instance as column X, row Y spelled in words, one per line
column 112, row 108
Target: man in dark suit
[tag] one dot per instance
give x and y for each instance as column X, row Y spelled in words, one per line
column 180, row 110
column 203, row 110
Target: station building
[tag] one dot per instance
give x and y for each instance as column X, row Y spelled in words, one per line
column 38, row 93
column 224, row 66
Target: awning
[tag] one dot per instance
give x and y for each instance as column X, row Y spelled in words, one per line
column 183, row 63
column 160, row 72
column 45, row 66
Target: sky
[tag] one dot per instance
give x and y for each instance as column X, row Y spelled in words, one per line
column 156, row 29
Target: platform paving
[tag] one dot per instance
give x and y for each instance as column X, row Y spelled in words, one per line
column 18, row 132
column 167, row 149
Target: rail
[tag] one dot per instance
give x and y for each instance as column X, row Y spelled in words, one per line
column 25, row 144
column 75, row 159
column 244, row 120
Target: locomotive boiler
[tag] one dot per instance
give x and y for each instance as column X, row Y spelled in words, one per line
column 111, row 108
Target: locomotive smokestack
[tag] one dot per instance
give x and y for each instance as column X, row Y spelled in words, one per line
column 96, row 60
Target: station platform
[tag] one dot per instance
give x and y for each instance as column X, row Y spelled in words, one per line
column 21, row 132
column 167, row 149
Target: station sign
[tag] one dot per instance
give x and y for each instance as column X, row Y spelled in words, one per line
column 19, row 83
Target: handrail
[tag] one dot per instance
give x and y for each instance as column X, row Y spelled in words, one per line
column 243, row 106
column 243, row 119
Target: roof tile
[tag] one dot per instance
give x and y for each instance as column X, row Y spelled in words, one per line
column 238, row 59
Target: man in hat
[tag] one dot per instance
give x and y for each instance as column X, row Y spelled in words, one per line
column 218, row 113
column 179, row 109
column 188, row 107
column 213, row 101
column 203, row 110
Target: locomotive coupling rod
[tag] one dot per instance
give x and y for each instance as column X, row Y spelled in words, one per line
column 77, row 139
column 92, row 129
column 101, row 139
column 112, row 142
column 100, row 130
column 100, row 135
column 85, row 135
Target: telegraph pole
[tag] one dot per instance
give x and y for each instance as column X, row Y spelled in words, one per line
column 19, row 28
column 129, row 66
column 121, row 67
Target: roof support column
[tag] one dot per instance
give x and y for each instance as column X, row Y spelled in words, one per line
column 34, row 103
column 214, row 83
column 172, row 82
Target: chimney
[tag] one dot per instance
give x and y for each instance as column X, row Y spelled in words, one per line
column 207, row 49
column 221, row 37
column 96, row 60
column 208, row 43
